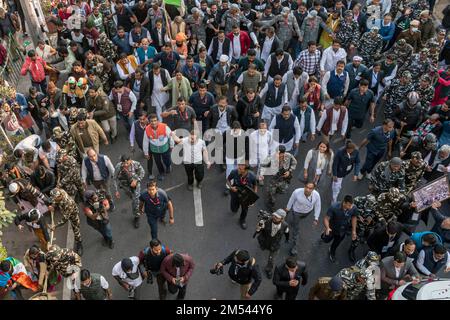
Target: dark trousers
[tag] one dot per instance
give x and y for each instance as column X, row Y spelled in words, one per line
column 358, row 123
column 235, row 204
column 197, row 169
column 128, row 122
column 337, row 239
column 174, row 289
column 153, row 223
column 290, row 294
column 160, row 158
column 41, row 86
column 371, row 160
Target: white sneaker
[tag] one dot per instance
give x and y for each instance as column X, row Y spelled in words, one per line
column 360, row 176
column 369, row 176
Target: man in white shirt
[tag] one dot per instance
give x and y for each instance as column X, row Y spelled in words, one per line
column 267, row 46
column 97, row 169
column 129, row 276
column 276, row 97
column 295, row 80
column 335, row 83
column 236, row 44
column 194, row 155
column 159, row 98
column 261, row 146
column 288, row 129
column 334, row 120
column 220, row 40
column 301, row 203
column 304, row 112
column 331, row 56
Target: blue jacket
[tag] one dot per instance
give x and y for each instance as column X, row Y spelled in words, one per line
column 417, row 238
column 387, row 32
column 123, row 44
column 341, row 162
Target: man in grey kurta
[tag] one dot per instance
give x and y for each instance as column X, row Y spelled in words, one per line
column 309, row 30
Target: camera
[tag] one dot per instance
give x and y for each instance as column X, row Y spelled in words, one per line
column 131, row 293
column 150, row 277
column 263, row 216
column 217, row 270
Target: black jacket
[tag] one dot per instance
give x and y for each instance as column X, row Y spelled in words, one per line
column 244, row 274
column 265, row 239
column 46, row 184
column 144, row 91
column 41, row 223
column 209, row 64
column 275, row 44
column 379, row 238
column 341, row 162
column 281, row 277
column 213, row 116
column 154, row 36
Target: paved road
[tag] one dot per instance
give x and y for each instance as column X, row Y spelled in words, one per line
column 217, row 238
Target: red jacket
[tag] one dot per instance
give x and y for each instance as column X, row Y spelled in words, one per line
column 244, row 39
column 36, row 68
column 169, row 272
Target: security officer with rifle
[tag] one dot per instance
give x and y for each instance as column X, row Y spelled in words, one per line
column 285, row 163
column 128, row 175
column 270, row 230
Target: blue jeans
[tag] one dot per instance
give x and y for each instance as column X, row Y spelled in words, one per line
column 371, row 160
column 127, row 121
column 153, row 223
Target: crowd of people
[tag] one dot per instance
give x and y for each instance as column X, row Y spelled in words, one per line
column 239, row 85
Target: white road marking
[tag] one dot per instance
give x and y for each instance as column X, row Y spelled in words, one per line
column 198, row 207
column 174, row 187
column 69, row 244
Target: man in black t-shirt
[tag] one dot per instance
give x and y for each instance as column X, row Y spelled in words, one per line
column 237, row 179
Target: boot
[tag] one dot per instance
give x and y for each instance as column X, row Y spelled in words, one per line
column 111, row 243
column 79, row 248
column 351, row 254
column 136, row 222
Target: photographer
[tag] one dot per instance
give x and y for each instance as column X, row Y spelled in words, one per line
column 177, row 270
column 242, row 270
column 128, row 274
column 286, row 164
column 128, row 175
column 95, row 207
column 288, row 277
column 151, row 259
column 270, row 229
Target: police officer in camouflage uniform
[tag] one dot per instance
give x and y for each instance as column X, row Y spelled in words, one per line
column 128, row 175
column 386, row 175
column 425, row 90
column 65, row 141
column 62, row 260
column 401, row 50
column 370, row 46
column 68, row 174
column 348, row 32
column 69, row 210
column 279, row 183
column 418, row 64
column 396, row 92
column 414, row 170
column 365, row 206
column 389, row 205
column 361, row 277
column 328, row 288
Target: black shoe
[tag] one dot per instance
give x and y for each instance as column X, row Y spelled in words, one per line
column 104, row 242
column 199, row 185
column 160, row 177
column 163, row 221
column 169, row 170
column 151, row 177
column 243, row 225
column 111, row 244
column 351, row 255
column 293, row 252
column 79, row 248
column 136, row 222
column 226, row 191
column 332, row 257
column 190, row 187
column 269, row 274
column 277, row 297
column 223, row 167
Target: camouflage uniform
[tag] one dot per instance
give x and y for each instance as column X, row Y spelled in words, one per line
column 322, row 291
column 69, row 211
column 65, row 141
column 110, row 25
column 417, row 66
column 413, row 173
column 122, row 179
column 426, row 95
column 395, row 94
column 106, row 48
column 383, row 178
column 69, row 177
column 278, row 184
column 365, row 206
column 353, row 286
column 401, row 50
column 62, row 260
column 389, row 205
column 348, row 33
column 369, row 46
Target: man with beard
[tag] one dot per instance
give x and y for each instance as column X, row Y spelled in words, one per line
column 388, row 174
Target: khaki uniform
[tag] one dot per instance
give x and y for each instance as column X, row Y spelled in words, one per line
column 322, row 291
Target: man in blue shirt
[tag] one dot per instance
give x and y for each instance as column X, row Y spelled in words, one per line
column 170, row 60
column 378, row 140
column 154, row 203
column 340, row 217
column 122, row 41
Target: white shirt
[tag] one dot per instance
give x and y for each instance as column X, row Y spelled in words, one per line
column 321, row 161
column 269, row 63
column 117, row 271
column 330, row 58
column 397, row 272
column 130, row 69
column 96, row 171
column 260, row 146
column 103, row 283
column 132, row 97
column 374, row 79
column 298, row 202
column 220, row 49
column 236, row 46
column 193, row 153
column 275, row 229
column 290, row 144
column 222, row 124
column 284, row 99
column 334, row 121
column 326, row 78
column 265, row 51
column 51, row 155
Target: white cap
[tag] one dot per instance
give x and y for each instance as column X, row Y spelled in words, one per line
column 13, row 187
column 280, row 213
column 357, row 58
column 312, row 14
column 223, row 58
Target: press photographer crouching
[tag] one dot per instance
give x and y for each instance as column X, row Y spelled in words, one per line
column 270, row 229
column 96, row 207
column 243, row 270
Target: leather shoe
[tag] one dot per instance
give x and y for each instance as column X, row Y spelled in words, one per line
column 332, row 257
column 190, row 187
column 199, row 185
column 79, row 248
column 136, row 223
column 243, row 225
column 351, row 255
column 111, row 244
column 269, row 274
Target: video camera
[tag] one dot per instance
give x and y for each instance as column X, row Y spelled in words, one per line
column 263, row 216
